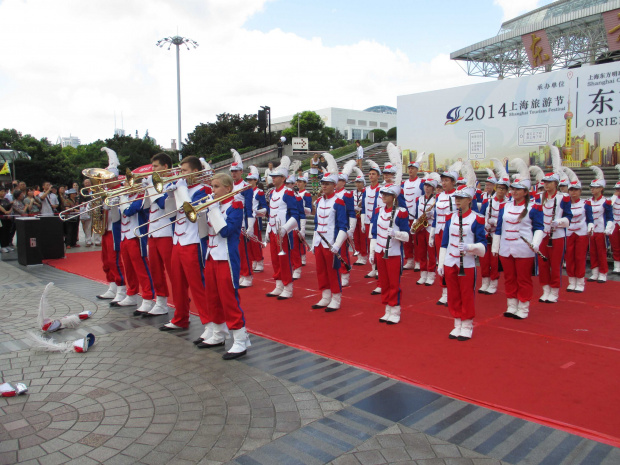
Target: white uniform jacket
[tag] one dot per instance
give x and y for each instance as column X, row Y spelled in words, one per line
column 445, row 206
column 473, row 233
column 510, row 229
column 381, row 222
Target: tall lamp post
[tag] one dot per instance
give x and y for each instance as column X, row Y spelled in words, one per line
column 178, row 40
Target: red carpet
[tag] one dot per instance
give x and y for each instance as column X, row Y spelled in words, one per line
column 558, row 367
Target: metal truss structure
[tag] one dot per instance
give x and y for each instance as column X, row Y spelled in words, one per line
column 576, row 34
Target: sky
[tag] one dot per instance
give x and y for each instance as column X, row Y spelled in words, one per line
column 67, row 67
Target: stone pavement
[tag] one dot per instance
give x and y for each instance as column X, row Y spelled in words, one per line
column 143, row 396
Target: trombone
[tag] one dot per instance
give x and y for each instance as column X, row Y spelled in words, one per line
column 63, row 214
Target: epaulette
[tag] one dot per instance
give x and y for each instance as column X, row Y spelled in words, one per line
column 566, row 198
column 339, row 201
column 289, row 192
column 377, row 210
column 260, row 192
column 348, row 194
column 307, row 194
column 449, row 216
column 237, row 204
column 537, row 206
column 589, row 202
column 402, row 213
column 480, row 219
column 608, row 201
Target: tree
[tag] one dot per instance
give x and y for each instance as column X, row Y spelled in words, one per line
column 312, row 126
column 391, row 134
column 380, row 134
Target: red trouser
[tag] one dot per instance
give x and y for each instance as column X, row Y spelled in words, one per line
column 328, row 276
column 136, row 269
column 576, row 250
column 550, row 271
column 254, row 248
column 389, row 279
column 461, row 293
column 186, row 274
column 424, row 253
column 614, row 239
column 409, row 246
column 160, row 256
column 360, row 239
column 438, row 239
column 281, row 263
column 112, row 260
column 518, row 277
column 244, row 256
column 489, row 265
column 296, row 251
column 598, row 252
column 222, row 298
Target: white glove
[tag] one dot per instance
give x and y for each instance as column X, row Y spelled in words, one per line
column 561, row 223
column 358, row 209
column 442, row 259
column 302, row 226
column 251, row 222
column 350, row 233
column 216, row 219
column 363, row 222
column 290, row 225
column 282, row 232
column 495, row 245
column 340, row 238
column 391, row 232
column 261, row 213
column 335, row 250
column 371, row 254
column 609, row 230
column 431, row 238
column 170, row 188
column 492, row 221
column 537, row 239
column 590, row 228
column 463, row 248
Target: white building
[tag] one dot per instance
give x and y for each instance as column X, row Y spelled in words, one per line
column 353, row 124
column 68, row 141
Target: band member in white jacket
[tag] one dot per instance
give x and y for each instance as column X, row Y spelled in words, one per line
column 602, row 226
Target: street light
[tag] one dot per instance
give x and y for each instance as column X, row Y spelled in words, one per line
column 178, row 40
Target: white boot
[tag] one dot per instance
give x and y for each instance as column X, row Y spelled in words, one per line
column 443, row 300
column 456, row 332
column 523, row 311
column 416, row 266
column 430, row 278
column 303, row 260
column 361, row 260
column 376, row 291
column 410, row 265
column 386, row 317
column 146, row 307
column 278, row 290
column 394, row 315
column 208, row 332
column 492, row 289
column 161, row 306
column 241, row 342
column 110, row 293
column 602, row 277
column 467, row 329
column 325, row 299
column 580, row 284
column 554, row 294
column 253, row 266
column 545, row 296
column 245, row 281
column 128, row 301
column 345, row 279
column 218, row 336
column 287, row 292
column 484, row 286
column 512, row 308
column 297, row 273
column 422, row 279
column 616, row 267
column 334, row 304
column 121, row 293
column 572, row 282
column 373, row 273
column 260, row 267
column 594, row 275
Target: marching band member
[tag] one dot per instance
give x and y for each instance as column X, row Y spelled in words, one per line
column 330, row 226
column 135, row 253
column 259, row 210
column 424, row 252
column 236, row 171
column 445, row 205
column 577, row 235
column 614, row 239
column 390, row 230
column 557, row 216
column 602, row 226
column 221, row 273
column 347, row 197
column 517, row 222
column 283, row 213
column 359, row 238
column 370, row 204
column 296, row 244
column 306, row 200
column 189, row 248
column 464, row 238
column 539, row 186
column 160, row 241
column 111, row 250
column 412, row 189
column 493, row 200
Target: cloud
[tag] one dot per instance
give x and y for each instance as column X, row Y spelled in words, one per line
column 74, row 64
column 512, row 8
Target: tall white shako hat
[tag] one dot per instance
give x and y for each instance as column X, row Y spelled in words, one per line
column 599, row 181
column 617, row 186
column 282, row 169
column 522, row 180
column 237, row 164
column 432, row 179
column 253, row 173
column 453, row 171
column 396, row 165
column 359, row 175
column 468, row 187
column 112, row 160
column 556, row 162
column 388, row 167
column 331, row 174
column 491, row 176
column 502, row 179
column 293, row 169
column 291, row 179
column 303, row 178
column 573, row 180
column 347, row 169
column 373, row 167
column 418, row 160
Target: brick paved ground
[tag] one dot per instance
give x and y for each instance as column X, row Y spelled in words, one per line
column 143, row 396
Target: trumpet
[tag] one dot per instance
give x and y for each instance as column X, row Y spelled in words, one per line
column 253, row 238
column 278, row 228
column 352, row 245
column 302, row 238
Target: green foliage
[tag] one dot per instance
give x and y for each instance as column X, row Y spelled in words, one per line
column 391, row 134
column 309, row 124
column 214, row 140
column 380, row 135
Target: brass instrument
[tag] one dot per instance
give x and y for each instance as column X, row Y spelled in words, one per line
column 192, row 209
column 96, row 176
column 130, row 178
column 421, row 222
column 278, row 228
column 253, row 238
column 352, row 245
